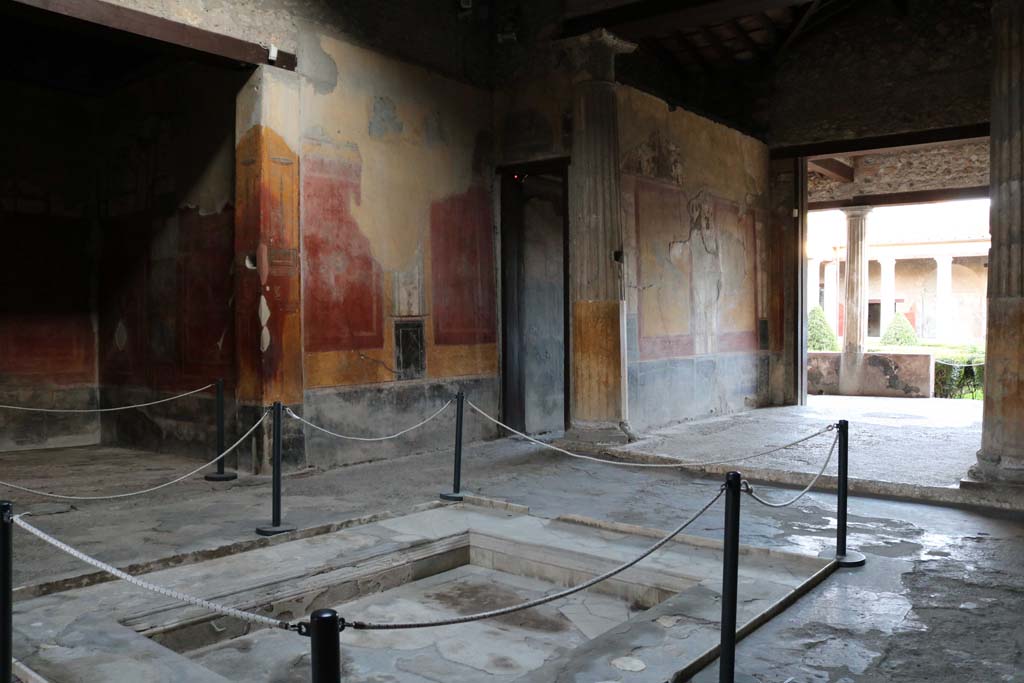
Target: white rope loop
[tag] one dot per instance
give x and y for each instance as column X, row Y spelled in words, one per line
column 750, row 489
column 105, row 410
column 349, row 437
column 152, row 488
column 161, row 590
column 623, row 463
column 369, row 626
column 960, row 365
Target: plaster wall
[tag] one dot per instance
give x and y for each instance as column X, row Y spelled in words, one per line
column 397, row 229
column 899, row 375
column 165, row 273
column 694, row 194
column 47, row 321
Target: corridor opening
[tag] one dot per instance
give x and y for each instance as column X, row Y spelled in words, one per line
column 534, row 298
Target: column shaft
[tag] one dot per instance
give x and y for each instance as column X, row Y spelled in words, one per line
column 595, row 276
column 855, row 323
column 1002, row 446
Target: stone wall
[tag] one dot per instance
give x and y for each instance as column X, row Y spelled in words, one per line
column 694, row 203
column 906, row 375
column 938, row 167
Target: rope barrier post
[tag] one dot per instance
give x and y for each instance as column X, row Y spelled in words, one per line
column 456, row 494
column 275, row 524
column 844, row 556
column 324, row 646
column 730, row 578
column 220, row 474
column 7, row 591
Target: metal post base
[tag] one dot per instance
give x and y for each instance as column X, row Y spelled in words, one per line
column 274, row 530
column 851, row 559
column 221, row 476
column 454, row 497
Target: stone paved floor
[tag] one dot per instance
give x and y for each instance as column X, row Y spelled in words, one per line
column 939, row 600
column 930, row 442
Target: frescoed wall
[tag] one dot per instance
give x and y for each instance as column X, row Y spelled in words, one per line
column 399, row 280
column 694, row 200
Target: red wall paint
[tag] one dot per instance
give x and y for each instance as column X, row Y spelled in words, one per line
column 176, row 310
column 46, row 333
column 462, row 269
column 343, row 295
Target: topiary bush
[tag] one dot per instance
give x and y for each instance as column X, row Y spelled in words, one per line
column 899, row 333
column 820, row 336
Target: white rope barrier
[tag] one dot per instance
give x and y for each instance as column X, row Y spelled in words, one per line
column 960, row 365
column 361, row 625
column 750, row 489
column 348, row 437
column 149, row 490
column 135, row 581
column 623, row 463
column 104, row 410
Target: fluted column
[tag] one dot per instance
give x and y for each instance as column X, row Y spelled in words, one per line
column 596, row 288
column 855, row 314
column 1002, row 443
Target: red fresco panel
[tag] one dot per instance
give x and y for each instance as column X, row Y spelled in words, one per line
column 462, row 269
column 343, row 296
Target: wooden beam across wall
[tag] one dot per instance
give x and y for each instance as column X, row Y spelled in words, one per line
column 903, row 198
column 163, row 30
column 832, row 168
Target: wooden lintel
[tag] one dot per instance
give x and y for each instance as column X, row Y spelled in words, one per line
column 164, row 30
column 832, row 168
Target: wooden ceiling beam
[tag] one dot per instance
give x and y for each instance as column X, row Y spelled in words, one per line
column 832, row 168
column 650, row 17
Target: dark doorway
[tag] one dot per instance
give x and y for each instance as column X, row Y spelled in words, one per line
column 534, row 269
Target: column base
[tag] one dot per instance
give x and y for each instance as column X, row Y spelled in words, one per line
column 996, row 468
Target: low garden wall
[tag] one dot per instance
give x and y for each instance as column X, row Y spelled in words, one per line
column 902, row 375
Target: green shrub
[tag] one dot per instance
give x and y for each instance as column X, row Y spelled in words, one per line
column 820, row 336
column 899, row 333
column 960, row 375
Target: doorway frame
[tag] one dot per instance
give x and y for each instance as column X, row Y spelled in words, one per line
column 512, row 395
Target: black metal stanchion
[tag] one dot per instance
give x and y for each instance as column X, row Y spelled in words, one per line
column 275, row 525
column 456, row 494
column 844, row 556
column 325, row 648
column 730, row 578
column 220, row 474
column 6, row 592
